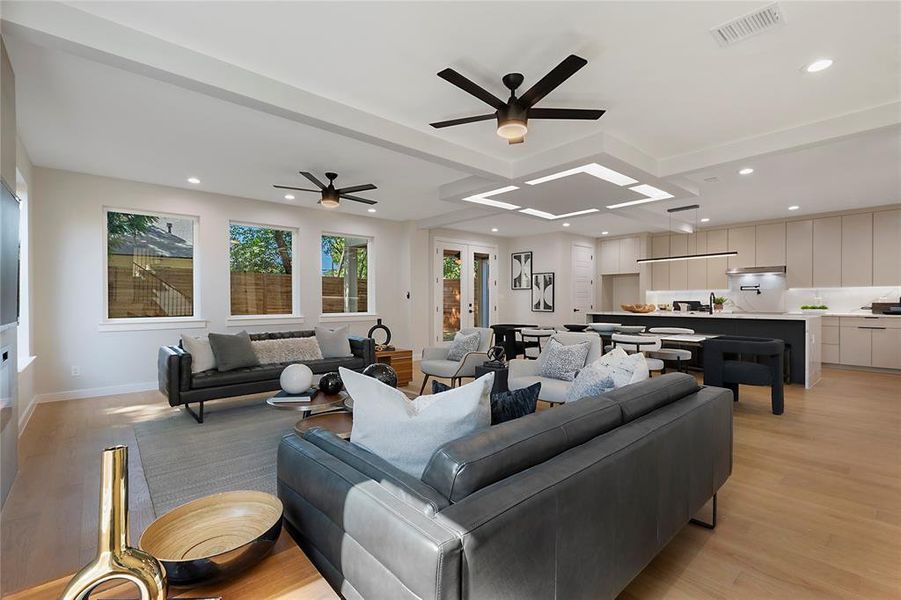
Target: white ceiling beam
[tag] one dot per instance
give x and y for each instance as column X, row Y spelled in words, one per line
column 71, row 30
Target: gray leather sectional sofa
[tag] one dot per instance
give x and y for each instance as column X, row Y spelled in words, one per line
column 570, row 502
column 182, row 387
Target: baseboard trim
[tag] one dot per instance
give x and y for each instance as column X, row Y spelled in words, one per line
column 26, row 416
column 97, row 392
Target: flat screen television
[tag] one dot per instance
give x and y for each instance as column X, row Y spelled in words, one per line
column 9, row 255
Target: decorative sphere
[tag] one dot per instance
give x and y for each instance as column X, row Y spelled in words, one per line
column 331, row 383
column 384, row 373
column 296, row 378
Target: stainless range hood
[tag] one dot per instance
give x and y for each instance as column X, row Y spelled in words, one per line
column 774, row 270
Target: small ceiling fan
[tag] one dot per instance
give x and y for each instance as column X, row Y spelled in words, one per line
column 331, row 197
column 514, row 114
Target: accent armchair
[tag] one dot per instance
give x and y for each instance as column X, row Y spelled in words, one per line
column 524, row 372
column 436, row 364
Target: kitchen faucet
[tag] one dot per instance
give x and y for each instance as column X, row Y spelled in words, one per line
column 712, row 298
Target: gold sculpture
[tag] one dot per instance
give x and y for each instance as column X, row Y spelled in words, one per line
column 115, row 558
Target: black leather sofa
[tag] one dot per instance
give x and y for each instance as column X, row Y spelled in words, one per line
column 182, row 387
column 571, row 502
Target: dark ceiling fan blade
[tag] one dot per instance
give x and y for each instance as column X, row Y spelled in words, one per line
column 357, row 199
column 312, row 178
column 518, row 140
column 453, row 122
column 357, row 188
column 288, row 187
column 473, row 88
column 558, row 75
column 565, row 113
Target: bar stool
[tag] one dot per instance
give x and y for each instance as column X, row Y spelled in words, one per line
column 532, row 351
column 677, row 355
column 640, row 343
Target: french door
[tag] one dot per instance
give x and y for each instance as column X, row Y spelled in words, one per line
column 465, row 287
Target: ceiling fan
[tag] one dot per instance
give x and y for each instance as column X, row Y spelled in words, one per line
column 331, row 197
column 514, row 114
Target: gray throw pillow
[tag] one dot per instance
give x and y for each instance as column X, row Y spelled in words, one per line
column 233, row 351
column 562, row 362
column 463, row 344
column 593, row 380
column 333, row 342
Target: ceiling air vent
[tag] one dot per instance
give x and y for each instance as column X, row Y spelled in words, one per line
column 748, row 25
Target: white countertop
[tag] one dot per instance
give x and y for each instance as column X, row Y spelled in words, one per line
column 717, row 315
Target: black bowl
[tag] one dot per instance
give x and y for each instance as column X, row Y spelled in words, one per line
column 576, row 327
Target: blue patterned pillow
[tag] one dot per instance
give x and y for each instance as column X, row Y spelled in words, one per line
column 562, row 362
column 506, row 406
column 593, row 380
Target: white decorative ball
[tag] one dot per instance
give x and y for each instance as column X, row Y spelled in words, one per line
column 296, row 379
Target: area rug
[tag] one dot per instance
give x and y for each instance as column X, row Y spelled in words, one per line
column 234, row 449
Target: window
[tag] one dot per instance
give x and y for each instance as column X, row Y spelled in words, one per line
column 345, row 266
column 262, row 267
column 149, row 265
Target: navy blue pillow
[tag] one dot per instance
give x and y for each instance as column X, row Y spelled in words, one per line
column 506, row 406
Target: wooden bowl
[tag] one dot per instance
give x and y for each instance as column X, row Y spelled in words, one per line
column 214, row 537
column 639, row 308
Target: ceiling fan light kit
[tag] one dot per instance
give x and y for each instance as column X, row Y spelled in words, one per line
column 330, row 196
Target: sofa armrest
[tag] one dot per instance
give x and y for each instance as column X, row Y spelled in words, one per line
column 363, row 347
column 359, row 533
column 435, row 353
column 522, row 367
column 173, row 372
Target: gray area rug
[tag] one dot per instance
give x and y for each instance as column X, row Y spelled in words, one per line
column 234, row 449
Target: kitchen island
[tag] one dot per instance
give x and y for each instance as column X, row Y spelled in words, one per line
column 800, row 332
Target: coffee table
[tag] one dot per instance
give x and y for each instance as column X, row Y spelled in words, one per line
column 320, row 402
column 339, row 422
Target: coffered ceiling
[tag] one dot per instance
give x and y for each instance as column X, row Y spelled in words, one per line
column 248, row 93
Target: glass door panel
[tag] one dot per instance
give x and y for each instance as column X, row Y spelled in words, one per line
column 452, row 292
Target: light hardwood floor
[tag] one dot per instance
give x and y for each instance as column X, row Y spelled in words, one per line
column 812, row 509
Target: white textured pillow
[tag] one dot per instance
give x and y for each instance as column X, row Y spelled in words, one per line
column 593, row 380
column 333, row 343
column 562, row 362
column 463, row 344
column 286, row 350
column 625, row 368
column 406, row 433
column 202, row 357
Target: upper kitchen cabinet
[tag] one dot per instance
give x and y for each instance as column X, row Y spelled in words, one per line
column 660, row 246
column 887, row 248
column 857, row 250
column 743, row 241
column 620, row 256
column 799, row 254
column 696, row 270
column 717, row 241
column 678, row 270
column 827, row 252
column 770, row 244
column 609, row 259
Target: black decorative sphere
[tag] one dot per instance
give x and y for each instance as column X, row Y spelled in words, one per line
column 384, row 373
column 331, row 383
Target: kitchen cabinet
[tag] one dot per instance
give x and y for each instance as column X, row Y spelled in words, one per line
column 857, row 250
column 609, row 259
column 619, row 256
column 827, row 252
column 743, row 241
column 770, row 244
column 886, row 348
column 887, row 248
column 717, row 241
column 799, row 254
column 869, row 342
column 856, row 347
column 696, row 270
column 660, row 271
column 678, row 270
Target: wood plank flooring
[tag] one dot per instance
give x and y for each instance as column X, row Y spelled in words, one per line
column 812, row 510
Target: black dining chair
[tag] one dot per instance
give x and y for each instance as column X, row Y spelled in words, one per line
column 733, row 360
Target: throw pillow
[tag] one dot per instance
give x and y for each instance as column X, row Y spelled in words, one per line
column 287, row 350
column 562, row 362
column 506, row 406
column 333, row 342
column 202, row 358
column 593, row 380
column 625, row 368
column 463, row 344
column 406, row 433
column 233, row 351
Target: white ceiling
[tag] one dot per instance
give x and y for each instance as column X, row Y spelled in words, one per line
column 112, row 107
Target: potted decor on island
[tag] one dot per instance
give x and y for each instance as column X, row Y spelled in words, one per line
column 718, row 302
column 814, row 309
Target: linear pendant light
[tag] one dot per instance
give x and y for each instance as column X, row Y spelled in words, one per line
column 671, row 258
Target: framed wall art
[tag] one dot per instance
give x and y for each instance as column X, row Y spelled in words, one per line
column 521, row 270
column 543, row 292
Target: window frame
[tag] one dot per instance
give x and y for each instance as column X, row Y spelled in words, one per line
column 371, row 309
column 296, row 315
column 144, row 323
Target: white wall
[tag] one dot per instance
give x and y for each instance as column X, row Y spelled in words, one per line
column 68, row 230
column 26, row 363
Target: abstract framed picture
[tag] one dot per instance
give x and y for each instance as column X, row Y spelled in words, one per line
column 542, row 292
column 521, row 270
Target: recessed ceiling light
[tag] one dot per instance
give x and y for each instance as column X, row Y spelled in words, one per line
column 494, row 230
column 705, row 220
column 566, row 224
column 819, row 65
column 289, row 196
column 746, row 171
column 593, row 169
column 483, row 198
column 794, row 207
column 372, row 210
column 193, row 180
column 604, row 232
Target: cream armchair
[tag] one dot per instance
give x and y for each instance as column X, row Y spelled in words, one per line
column 524, row 372
column 436, row 364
